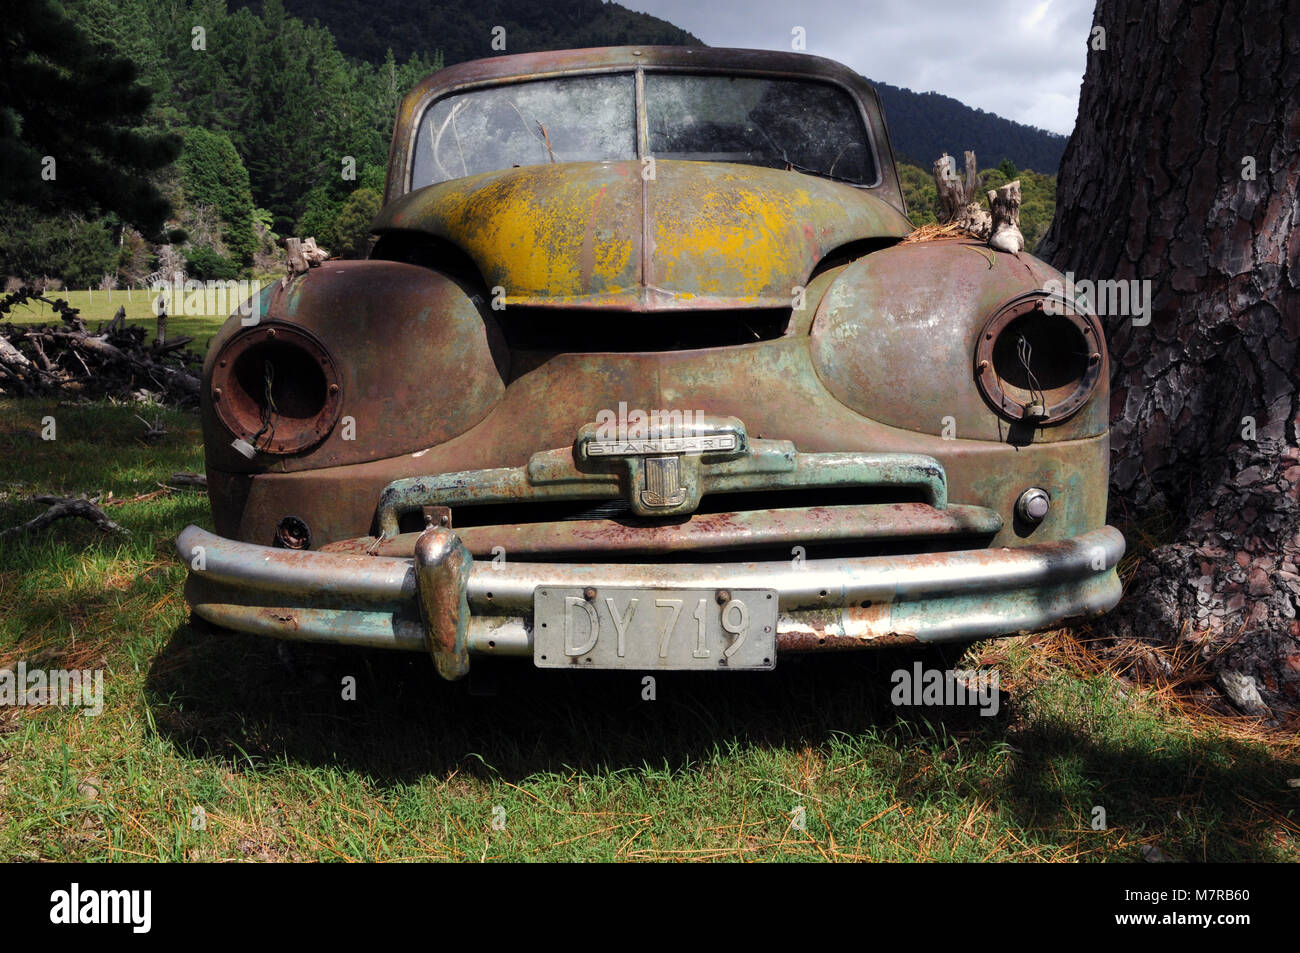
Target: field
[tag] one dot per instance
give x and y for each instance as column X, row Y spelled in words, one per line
column 216, row 746
column 98, row 307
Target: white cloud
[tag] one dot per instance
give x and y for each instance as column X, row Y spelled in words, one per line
column 1020, row 59
column 1036, row 16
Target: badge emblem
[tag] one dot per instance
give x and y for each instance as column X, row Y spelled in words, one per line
column 662, row 463
column 662, row 483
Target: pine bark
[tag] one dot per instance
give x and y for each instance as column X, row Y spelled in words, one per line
column 1182, row 105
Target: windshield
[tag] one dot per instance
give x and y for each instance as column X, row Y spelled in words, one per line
column 573, row 119
column 781, row 123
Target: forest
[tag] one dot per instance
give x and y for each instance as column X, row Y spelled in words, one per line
column 267, row 124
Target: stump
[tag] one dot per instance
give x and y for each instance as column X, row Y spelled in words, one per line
column 304, row 254
column 957, row 202
column 1004, row 204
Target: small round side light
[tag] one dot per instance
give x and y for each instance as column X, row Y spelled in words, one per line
column 293, row 533
column 1033, row 505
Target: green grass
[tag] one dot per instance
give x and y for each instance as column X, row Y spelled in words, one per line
column 581, row 766
column 98, row 307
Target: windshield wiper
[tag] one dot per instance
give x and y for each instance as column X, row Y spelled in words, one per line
column 821, row 175
column 546, row 138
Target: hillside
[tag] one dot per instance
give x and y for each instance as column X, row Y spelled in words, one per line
column 923, row 126
column 461, row 31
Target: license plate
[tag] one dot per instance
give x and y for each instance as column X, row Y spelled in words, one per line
column 646, row 629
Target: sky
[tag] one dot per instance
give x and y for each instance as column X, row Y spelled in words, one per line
column 1022, row 59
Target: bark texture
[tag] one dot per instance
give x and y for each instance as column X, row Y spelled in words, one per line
column 1184, row 170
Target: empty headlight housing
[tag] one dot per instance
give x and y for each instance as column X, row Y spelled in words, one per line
column 1039, row 359
column 276, row 388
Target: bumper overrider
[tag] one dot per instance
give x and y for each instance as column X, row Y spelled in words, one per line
column 426, row 592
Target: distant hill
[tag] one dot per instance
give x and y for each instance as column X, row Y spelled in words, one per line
column 922, row 125
column 367, row 29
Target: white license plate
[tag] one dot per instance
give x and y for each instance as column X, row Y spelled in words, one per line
column 647, row 629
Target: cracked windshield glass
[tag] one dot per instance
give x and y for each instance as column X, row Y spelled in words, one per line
column 809, row 127
column 780, row 123
column 575, row 119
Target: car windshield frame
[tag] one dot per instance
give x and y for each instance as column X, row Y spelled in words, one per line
column 639, row 72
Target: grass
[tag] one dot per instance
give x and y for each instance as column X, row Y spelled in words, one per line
column 571, row 767
column 99, row 307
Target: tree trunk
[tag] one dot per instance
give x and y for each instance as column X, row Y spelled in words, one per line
column 1184, row 170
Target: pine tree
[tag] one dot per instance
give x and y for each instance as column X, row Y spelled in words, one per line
column 67, row 111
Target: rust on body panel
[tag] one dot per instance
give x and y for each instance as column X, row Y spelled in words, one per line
column 341, row 502
column 863, row 436
column 390, row 329
column 895, row 315
column 699, row 235
column 705, row 532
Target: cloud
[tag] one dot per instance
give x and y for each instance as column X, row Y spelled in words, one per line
column 1017, row 58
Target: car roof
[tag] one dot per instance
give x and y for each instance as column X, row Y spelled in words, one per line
column 523, row 65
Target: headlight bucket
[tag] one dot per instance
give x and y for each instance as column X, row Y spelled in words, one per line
column 1038, row 359
column 275, row 386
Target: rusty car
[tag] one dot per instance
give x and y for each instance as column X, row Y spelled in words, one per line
column 640, row 373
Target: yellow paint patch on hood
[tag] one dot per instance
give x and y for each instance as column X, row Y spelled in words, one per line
column 698, row 235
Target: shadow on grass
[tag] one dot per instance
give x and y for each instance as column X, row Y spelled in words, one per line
column 237, row 697
column 217, row 693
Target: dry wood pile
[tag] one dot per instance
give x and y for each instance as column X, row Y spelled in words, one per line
column 113, row 361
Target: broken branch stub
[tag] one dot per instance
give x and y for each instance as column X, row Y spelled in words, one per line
column 957, row 202
column 1005, row 211
column 304, row 254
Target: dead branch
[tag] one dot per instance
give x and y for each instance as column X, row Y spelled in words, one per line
column 37, row 360
column 197, row 480
column 155, row 430
column 62, row 507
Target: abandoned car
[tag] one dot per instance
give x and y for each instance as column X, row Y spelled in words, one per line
column 641, row 374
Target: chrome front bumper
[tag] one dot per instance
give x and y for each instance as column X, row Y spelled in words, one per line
column 443, row 602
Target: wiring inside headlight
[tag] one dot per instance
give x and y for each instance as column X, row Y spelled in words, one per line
column 1039, row 359
column 276, row 389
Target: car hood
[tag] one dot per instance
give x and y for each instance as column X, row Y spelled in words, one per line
column 683, row 235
